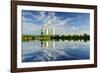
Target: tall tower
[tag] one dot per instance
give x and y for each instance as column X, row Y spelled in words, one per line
column 46, row 31
column 53, row 31
column 41, row 31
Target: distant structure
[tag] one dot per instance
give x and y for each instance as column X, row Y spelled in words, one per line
column 47, row 31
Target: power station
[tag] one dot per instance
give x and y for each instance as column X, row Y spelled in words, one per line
column 47, row 31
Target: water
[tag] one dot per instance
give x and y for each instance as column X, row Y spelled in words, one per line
column 37, row 51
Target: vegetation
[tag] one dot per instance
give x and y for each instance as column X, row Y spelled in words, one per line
column 84, row 37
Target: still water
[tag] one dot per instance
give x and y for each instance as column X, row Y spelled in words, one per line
column 42, row 51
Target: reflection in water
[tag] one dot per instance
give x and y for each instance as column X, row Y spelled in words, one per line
column 52, row 38
column 47, row 44
column 38, row 51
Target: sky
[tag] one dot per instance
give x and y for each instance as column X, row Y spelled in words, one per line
column 64, row 23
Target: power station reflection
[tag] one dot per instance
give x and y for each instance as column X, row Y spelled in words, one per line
column 47, row 44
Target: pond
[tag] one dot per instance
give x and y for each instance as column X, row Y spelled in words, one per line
column 43, row 51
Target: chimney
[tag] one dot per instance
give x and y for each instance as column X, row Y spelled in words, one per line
column 53, row 31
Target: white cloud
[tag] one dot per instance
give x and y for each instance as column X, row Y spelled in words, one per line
column 29, row 28
column 51, row 20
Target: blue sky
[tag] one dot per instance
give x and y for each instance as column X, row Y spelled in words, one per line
column 64, row 22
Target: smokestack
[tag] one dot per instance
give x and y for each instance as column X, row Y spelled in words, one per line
column 46, row 30
column 53, row 31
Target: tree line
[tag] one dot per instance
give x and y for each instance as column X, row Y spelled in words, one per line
column 74, row 37
column 84, row 37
